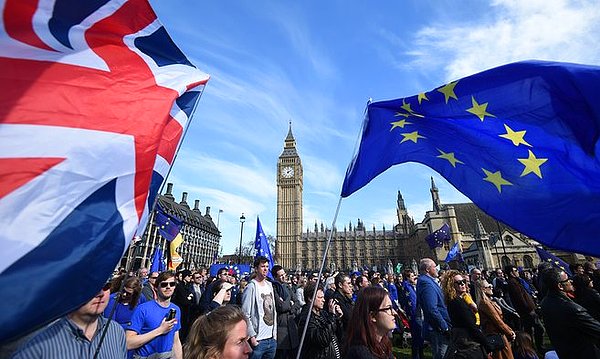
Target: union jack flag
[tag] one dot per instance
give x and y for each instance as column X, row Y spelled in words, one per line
column 95, row 100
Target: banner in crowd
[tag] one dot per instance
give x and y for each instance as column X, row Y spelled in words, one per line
column 96, row 99
column 520, row 140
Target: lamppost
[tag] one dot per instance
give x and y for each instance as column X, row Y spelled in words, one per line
column 242, row 219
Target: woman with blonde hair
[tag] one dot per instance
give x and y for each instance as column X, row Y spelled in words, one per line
column 492, row 320
column 467, row 340
column 220, row 334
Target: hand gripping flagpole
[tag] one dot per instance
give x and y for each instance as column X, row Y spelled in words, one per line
column 337, row 210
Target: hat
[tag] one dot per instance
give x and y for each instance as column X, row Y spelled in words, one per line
column 186, row 273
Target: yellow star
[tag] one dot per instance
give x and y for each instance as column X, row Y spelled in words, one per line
column 448, row 91
column 450, row 157
column 532, row 164
column 406, row 107
column 412, row 136
column 515, row 136
column 401, row 114
column 422, row 96
column 479, row 110
column 496, row 179
column 400, row 124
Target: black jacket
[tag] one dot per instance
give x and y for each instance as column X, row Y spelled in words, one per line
column 572, row 331
column 320, row 341
column 287, row 308
column 346, row 305
column 589, row 298
column 463, row 319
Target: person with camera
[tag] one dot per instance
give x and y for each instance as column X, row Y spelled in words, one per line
column 155, row 325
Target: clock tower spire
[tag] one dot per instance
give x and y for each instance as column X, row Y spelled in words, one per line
column 289, row 204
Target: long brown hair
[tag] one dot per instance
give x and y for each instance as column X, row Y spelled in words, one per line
column 523, row 345
column 208, row 335
column 135, row 284
column 361, row 330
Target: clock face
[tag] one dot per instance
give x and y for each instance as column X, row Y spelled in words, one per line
column 287, row 172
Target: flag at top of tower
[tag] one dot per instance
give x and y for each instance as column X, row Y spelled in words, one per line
column 520, row 140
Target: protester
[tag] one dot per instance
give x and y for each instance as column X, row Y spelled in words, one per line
column 300, row 290
column 373, row 319
column 466, row 337
column 183, row 297
column 207, row 295
column 222, row 334
column 258, row 305
column 197, row 290
column 149, row 290
column 436, row 321
column 320, row 341
column 78, row 335
column 151, row 333
column 492, row 320
column 343, row 298
column 525, row 305
column 408, row 302
column 572, row 331
column 475, row 277
column 586, row 295
column 122, row 304
column 287, row 308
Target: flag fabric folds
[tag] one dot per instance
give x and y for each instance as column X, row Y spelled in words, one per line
column 95, row 102
column 520, row 140
column 261, row 244
column 546, row 256
column 437, row 238
column 454, row 254
column 158, row 263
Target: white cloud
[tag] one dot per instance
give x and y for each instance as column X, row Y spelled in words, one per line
column 519, row 30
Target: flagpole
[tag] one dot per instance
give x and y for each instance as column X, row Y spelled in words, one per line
column 337, row 210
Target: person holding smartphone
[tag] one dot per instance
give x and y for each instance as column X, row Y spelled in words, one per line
column 155, row 325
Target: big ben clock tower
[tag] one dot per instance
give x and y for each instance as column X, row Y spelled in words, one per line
column 289, row 204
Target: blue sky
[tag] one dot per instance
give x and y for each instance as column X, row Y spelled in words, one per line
column 316, row 63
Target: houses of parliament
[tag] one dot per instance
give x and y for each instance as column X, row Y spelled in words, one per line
column 485, row 242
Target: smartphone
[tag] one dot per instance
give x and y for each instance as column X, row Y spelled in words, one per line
column 171, row 315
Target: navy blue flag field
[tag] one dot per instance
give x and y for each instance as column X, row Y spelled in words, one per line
column 546, row 256
column 96, row 98
column 437, row 238
column 158, row 262
column 261, row 244
column 520, row 140
column 454, row 254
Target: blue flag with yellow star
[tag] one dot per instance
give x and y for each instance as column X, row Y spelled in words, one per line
column 520, row 140
column 168, row 226
column 546, row 256
column 261, row 244
column 437, row 238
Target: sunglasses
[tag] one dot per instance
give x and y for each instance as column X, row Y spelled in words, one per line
column 565, row 281
column 167, row 284
column 460, row 282
column 152, row 277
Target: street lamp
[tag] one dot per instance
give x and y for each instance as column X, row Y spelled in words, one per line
column 242, row 219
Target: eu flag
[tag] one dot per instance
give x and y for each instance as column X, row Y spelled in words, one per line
column 261, row 244
column 454, row 254
column 437, row 238
column 520, row 140
column 546, row 256
column 168, row 226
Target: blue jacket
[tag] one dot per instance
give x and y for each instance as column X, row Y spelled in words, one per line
column 431, row 301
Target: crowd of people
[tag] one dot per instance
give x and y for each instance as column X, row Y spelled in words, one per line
column 480, row 314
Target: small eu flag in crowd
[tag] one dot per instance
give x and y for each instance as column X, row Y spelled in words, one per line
column 546, row 256
column 437, row 238
column 261, row 244
column 454, row 254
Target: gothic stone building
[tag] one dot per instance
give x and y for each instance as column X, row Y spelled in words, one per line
column 200, row 235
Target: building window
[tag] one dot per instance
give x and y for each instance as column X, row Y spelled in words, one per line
column 527, row 261
column 505, row 261
column 509, row 240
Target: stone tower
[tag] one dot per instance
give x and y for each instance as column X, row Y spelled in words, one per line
column 289, row 204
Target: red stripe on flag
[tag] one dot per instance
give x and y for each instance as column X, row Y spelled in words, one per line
column 15, row 172
column 19, row 25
